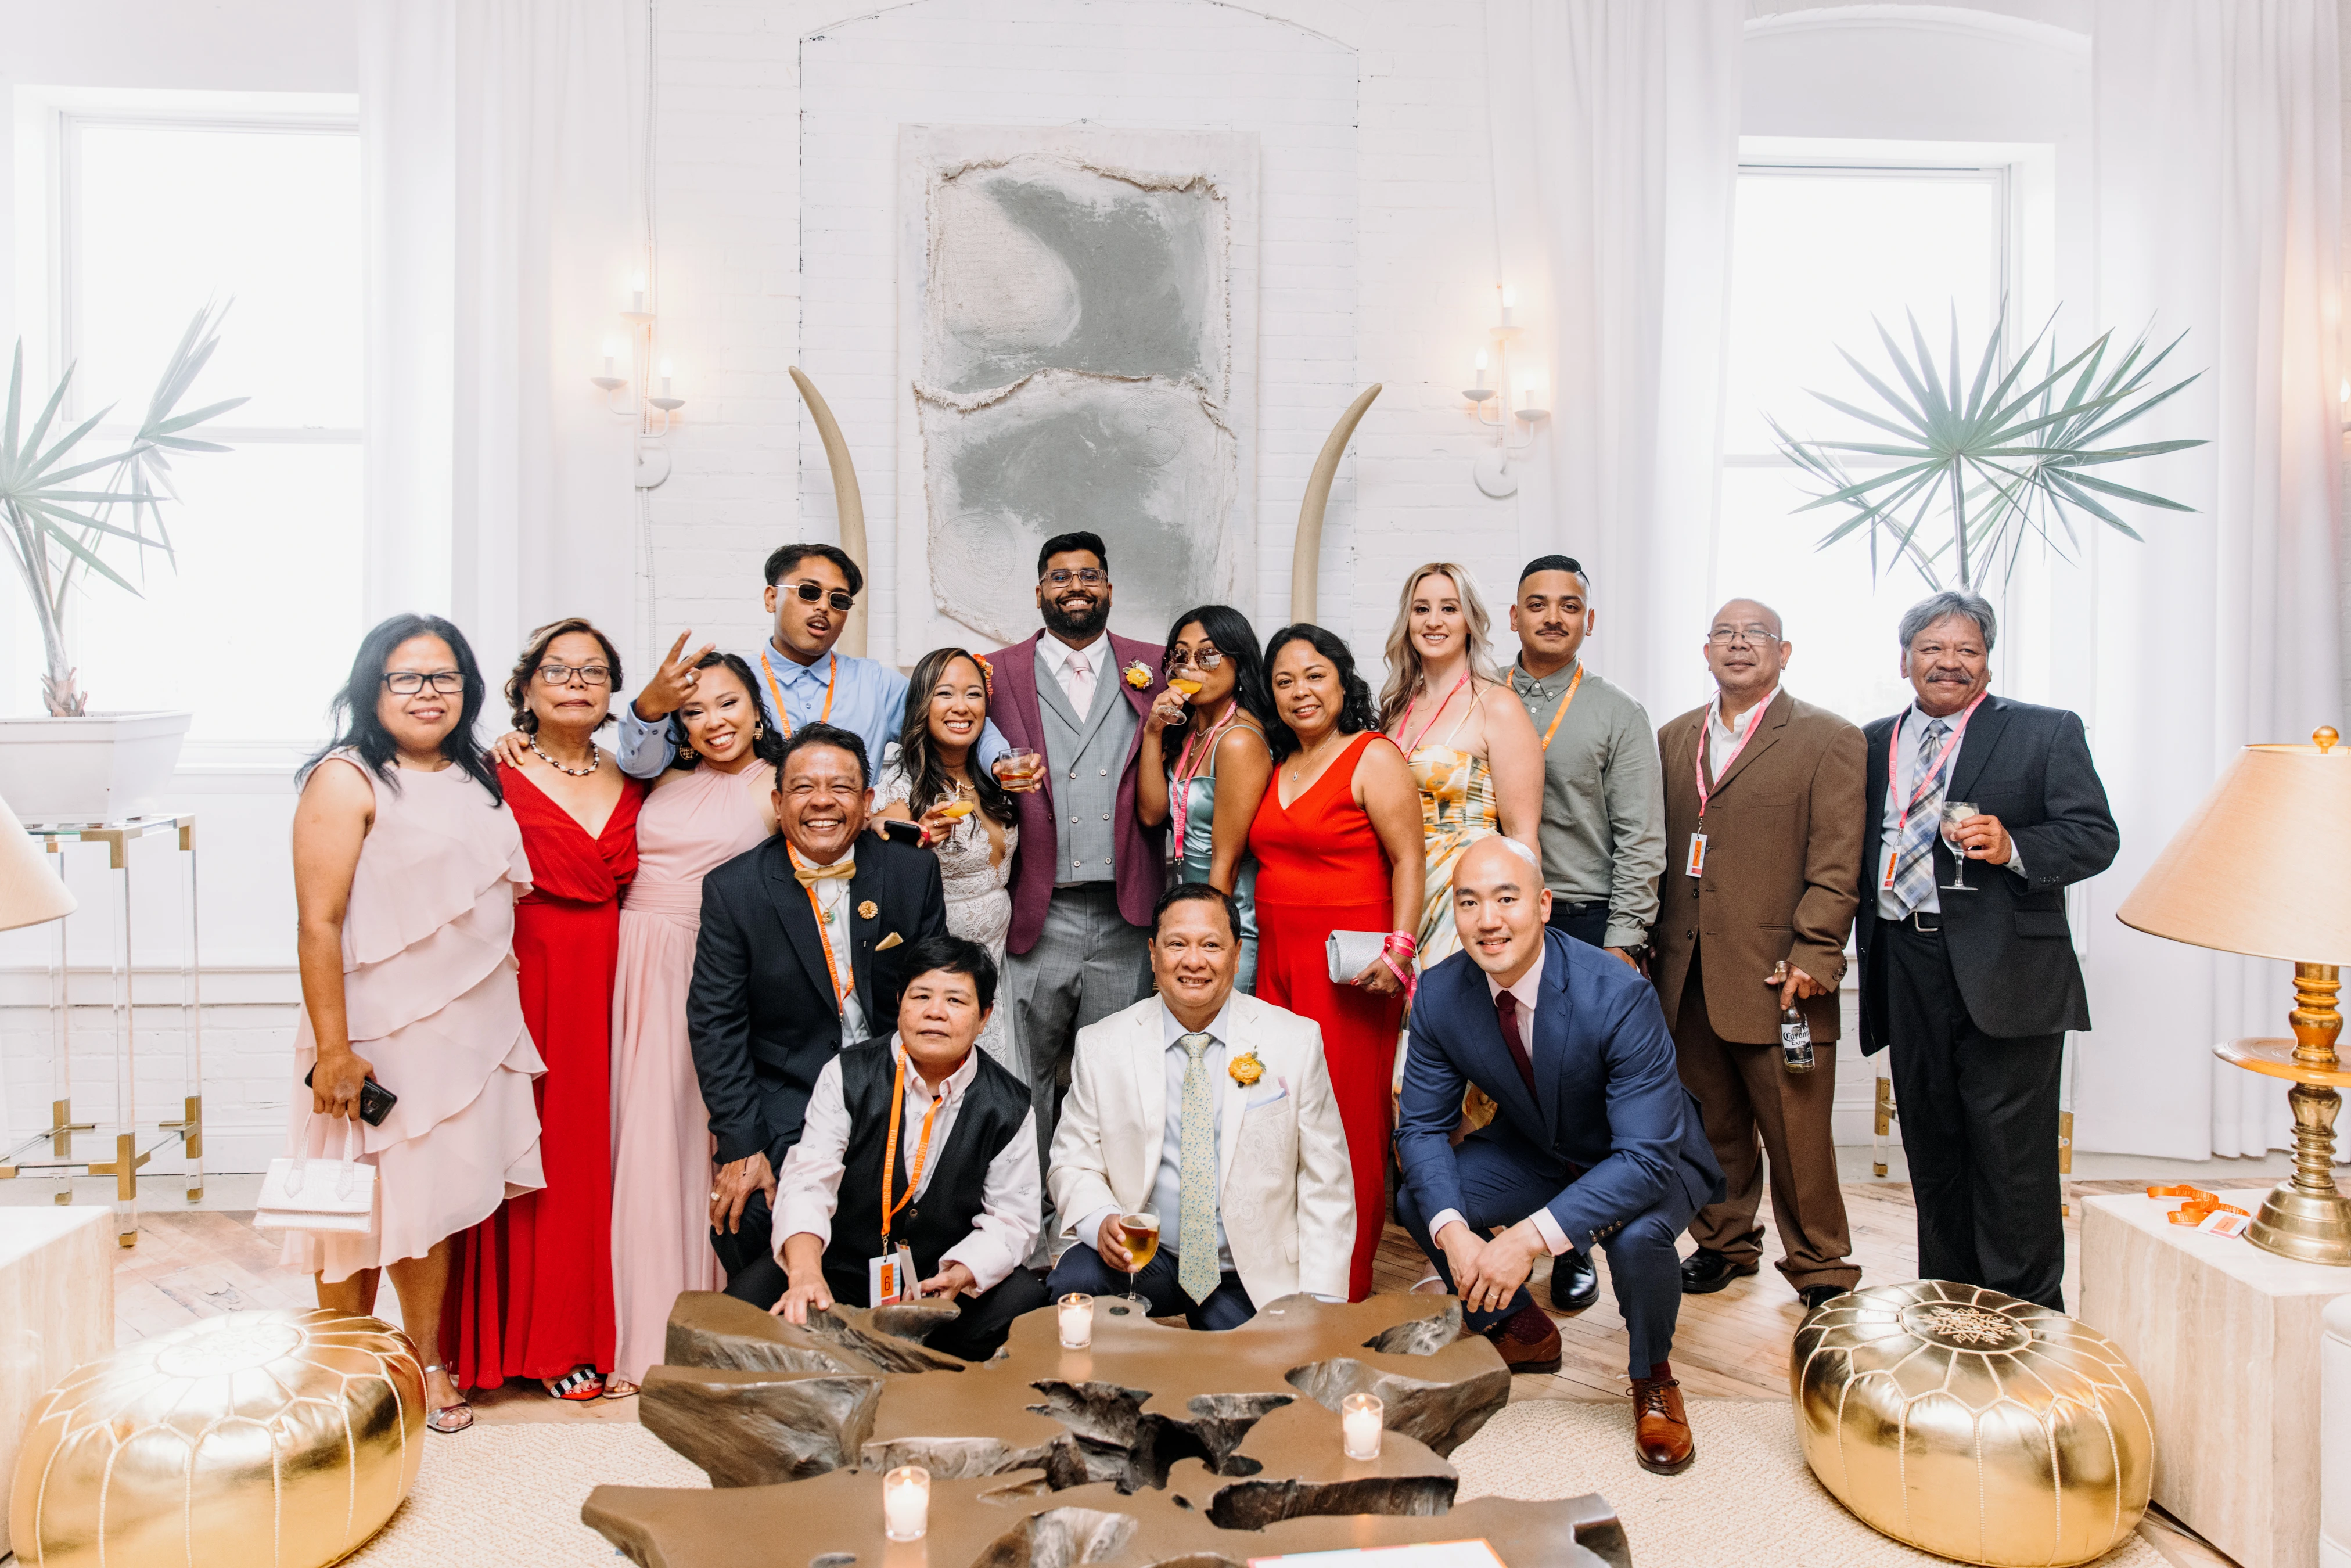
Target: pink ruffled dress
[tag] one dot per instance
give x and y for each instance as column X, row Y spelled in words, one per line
column 429, row 985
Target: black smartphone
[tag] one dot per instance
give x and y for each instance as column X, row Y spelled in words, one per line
column 375, row 1101
column 905, row 833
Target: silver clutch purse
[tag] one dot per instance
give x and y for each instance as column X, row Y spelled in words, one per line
column 1352, row 952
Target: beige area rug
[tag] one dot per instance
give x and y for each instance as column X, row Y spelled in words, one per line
column 511, row 1494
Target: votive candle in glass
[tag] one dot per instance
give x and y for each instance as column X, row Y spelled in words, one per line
column 1077, row 1322
column 906, row 1503
column 1361, row 1417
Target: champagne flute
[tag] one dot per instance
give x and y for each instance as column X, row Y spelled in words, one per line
column 1954, row 813
column 1140, row 1233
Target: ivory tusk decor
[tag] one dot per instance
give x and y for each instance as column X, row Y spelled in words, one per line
column 1307, row 553
column 847, row 499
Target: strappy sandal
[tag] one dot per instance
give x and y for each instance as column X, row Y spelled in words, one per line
column 581, row 1383
column 619, row 1389
column 448, row 1418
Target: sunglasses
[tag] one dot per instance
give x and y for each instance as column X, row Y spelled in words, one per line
column 841, row 599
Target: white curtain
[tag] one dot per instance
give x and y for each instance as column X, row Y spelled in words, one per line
column 2216, row 129
column 503, row 146
column 1615, row 131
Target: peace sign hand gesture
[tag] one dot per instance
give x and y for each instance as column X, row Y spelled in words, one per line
column 673, row 683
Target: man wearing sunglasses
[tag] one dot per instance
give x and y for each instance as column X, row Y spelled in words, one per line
column 811, row 590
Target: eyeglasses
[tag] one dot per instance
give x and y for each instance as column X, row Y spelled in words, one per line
column 589, row 675
column 1201, row 659
column 810, row 592
column 1090, row 576
column 1753, row 636
column 408, row 682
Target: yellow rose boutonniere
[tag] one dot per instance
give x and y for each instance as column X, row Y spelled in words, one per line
column 1138, row 674
column 868, row 910
column 1247, row 1070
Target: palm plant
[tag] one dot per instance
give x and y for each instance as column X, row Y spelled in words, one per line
column 55, row 532
column 2001, row 461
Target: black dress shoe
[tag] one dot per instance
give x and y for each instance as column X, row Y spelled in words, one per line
column 1706, row 1271
column 1818, row 1296
column 1574, row 1282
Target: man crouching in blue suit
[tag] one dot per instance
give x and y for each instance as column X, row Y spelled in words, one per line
column 1594, row 1138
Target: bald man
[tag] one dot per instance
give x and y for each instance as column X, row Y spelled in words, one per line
column 1763, row 824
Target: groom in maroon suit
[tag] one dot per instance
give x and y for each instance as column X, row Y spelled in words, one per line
column 1087, row 872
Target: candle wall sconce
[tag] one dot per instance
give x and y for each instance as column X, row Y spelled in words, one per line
column 1493, row 471
column 634, row 346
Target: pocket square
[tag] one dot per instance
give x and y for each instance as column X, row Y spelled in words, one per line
column 1280, row 1092
column 888, row 942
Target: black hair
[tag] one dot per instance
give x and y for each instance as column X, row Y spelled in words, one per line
column 956, row 957
column 1235, row 639
column 1357, row 712
column 783, row 558
column 1063, row 544
column 1196, row 892
column 534, row 654
column 809, row 735
column 1557, row 563
column 927, row 777
column 357, row 727
column 766, row 742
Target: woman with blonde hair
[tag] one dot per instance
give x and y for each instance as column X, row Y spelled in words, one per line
column 1474, row 754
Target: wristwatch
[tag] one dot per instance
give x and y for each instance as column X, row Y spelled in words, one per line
column 1636, row 951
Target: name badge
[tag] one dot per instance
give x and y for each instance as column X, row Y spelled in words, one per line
column 1696, row 854
column 890, row 1278
column 1893, row 853
column 2218, row 1223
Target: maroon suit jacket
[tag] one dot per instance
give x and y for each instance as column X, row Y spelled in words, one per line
column 1142, row 867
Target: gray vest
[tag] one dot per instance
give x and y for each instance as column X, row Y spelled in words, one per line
column 1087, row 755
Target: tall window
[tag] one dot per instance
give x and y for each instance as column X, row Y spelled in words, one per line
column 1819, row 253
column 248, row 627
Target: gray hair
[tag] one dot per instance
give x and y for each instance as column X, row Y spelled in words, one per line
column 1943, row 606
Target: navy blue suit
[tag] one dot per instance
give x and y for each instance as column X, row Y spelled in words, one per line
column 1610, row 1141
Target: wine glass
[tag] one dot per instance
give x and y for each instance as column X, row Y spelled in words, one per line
column 1954, row 813
column 1140, row 1232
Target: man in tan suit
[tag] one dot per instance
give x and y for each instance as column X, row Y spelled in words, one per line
column 1763, row 824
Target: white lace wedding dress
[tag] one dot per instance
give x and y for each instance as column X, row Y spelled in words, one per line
column 979, row 907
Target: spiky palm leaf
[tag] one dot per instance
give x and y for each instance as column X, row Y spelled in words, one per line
column 2002, row 460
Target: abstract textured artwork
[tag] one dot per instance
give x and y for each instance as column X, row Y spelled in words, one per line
column 1077, row 326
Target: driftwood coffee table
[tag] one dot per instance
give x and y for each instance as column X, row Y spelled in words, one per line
column 1157, row 1447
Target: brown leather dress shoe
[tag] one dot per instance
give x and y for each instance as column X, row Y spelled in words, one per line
column 1661, row 1433
column 1528, row 1340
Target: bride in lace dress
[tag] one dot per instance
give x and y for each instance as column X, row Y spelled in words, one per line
column 929, row 777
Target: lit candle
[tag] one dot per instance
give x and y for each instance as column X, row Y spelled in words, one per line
column 1077, row 1322
column 1509, row 303
column 664, row 374
column 637, row 293
column 1480, row 383
column 1531, row 391
column 611, row 352
column 906, row 1503
column 1361, row 1416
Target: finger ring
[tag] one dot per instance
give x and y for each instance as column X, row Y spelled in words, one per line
column 693, row 677
column 713, row 1194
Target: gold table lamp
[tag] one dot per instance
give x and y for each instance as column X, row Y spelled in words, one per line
column 2249, row 873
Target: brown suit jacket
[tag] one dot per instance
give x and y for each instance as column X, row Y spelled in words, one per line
column 1782, row 867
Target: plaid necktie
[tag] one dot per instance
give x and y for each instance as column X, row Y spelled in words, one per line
column 1195, row 1234
column 1914, row 873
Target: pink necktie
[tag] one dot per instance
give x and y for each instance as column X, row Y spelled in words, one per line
column 1080, row 685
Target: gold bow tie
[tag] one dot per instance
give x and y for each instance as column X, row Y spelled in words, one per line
column 810, row 876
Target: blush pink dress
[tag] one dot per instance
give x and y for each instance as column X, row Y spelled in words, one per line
column 662, row 1146
column 432, row 1005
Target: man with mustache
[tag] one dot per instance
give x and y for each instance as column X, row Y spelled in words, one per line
column 1603, row 815
column 1088, row 871
column 1763, row 802
column 802, row 951
column 1975, row 986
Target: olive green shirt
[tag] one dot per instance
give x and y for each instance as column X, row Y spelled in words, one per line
column 1604, row 816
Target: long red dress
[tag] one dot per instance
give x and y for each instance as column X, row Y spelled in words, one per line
column 530, row 1293
column 1319, row 869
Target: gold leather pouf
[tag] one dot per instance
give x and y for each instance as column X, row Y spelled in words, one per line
column 275, row 1440
column 1972, row 1424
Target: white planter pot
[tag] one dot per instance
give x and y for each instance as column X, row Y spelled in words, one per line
column 99, row 767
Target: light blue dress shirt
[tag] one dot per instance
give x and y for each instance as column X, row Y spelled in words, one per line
column 1904, row 741
column 869, row 700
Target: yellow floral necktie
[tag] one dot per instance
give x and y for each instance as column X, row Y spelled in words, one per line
column 1196, row 1237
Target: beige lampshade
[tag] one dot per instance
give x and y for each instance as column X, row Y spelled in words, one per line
column 31, row 889
column 2259, row 868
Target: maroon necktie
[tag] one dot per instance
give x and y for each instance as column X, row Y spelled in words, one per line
column 1506, row 1007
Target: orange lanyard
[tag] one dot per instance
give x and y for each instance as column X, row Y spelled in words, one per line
column 1925, row 781
column 841, row 985
column 890, row 1150
column 1706, row 744
column 1564, row 704
column 783, row 717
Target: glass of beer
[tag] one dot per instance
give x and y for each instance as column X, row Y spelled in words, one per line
column 1140, row 1234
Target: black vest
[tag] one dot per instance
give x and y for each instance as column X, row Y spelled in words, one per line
column 988, row 1118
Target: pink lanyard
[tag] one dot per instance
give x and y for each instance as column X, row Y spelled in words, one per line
column 1406, row 719
column 1927, row 779
column 1181, row 792
column 1706, row 744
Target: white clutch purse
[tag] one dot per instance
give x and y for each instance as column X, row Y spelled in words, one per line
column 1351, row 952
column 303, row 1193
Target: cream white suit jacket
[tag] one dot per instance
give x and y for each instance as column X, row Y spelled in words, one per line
column 1283, row 1183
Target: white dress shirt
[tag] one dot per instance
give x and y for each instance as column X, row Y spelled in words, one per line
column 1167, row 1192
column 1079, row 689
column 1528, row 989
column 1721, row 740
column 1907, row 736
column 832, row 903
column 807, row 1189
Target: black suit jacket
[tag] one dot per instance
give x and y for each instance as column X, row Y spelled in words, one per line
column 761, row 1014
column 2010, row 949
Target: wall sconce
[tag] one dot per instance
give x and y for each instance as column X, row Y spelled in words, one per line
column 652, row 463
column 1492, row 470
